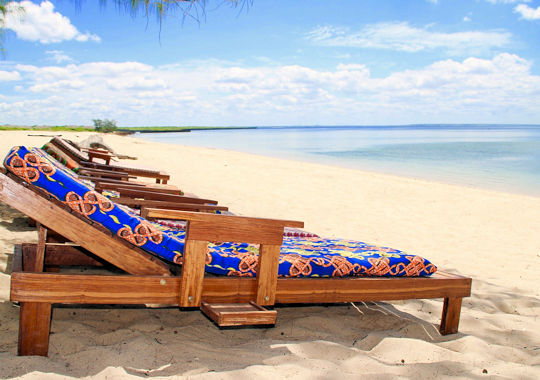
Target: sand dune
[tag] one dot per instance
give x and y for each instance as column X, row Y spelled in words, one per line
column 491, row 236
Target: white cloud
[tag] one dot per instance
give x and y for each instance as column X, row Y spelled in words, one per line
column 527, row 12
column 467, row 19
column 501, row 89
column 41, row 23
column 6, row 76
column 58, row 56
column 403, row 37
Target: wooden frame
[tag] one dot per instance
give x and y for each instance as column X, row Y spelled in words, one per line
column 149, row 280
column 85, row 159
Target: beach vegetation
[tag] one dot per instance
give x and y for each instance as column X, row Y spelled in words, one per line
column 55, row 128
column 105, row 125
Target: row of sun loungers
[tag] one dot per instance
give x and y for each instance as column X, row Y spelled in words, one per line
column 233, row 268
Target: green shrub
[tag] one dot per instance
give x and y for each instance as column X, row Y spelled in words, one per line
column 105, row 125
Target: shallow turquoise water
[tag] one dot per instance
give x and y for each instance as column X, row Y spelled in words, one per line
column 503, row 158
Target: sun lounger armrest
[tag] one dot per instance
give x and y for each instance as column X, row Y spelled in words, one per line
column 203, row 228
column 215, row 227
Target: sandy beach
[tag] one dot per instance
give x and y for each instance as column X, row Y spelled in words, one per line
column 490, row 236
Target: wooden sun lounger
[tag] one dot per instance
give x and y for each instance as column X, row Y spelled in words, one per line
column 85, row 159
column 139, row 195
column 149, row 280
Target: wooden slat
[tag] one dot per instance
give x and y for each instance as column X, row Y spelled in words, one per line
column 157, row 196
column 105, row 174
column 38, row 262
column 110, row 249
column 69, row 161
column 88, row 289
column 66, row 147
column 267, row 273
column 192, row 273
column 101, row 155
column 139, row 172
column 229, row 218
column 69, row 255
column 245, row 314
column 94, row 289
column 166, row 189
column 145, row 204
column 210, row 227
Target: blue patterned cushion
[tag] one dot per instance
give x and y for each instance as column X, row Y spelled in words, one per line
column 300, row 257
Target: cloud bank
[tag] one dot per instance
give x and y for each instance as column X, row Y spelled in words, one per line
column 497, row 90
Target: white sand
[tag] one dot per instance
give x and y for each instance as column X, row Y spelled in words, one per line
column 491, row 236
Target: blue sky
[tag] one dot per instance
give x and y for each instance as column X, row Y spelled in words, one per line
column 274, row 63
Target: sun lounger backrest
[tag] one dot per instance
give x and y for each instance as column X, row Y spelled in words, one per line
column 70, row 149
column 35, row 168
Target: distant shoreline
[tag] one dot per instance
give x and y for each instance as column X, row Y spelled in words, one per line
column 168, row 129
column 176, row 129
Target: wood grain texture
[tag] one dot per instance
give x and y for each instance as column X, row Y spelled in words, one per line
column 100, row 155
column 113, row 185
column 144, row 205
column 139, row 172
column 111, row 249
column 450, row 315
column 105, row 174
column 36, row 264
column 244, row 314
column 124, row 289
column 267, row 274
column 159, row 196
column 210, row 227
column 69, row 255
column 192, row 273
column 34, row 327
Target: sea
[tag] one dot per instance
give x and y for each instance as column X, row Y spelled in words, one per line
column 496, row 157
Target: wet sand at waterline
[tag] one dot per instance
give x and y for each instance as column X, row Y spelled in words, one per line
column 490, row 236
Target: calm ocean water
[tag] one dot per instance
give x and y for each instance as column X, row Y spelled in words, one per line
column 496, row 157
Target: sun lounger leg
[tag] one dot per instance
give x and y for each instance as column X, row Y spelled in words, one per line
column 450, row 316
column 192, row 273
column 267, row 274
column 34, row 327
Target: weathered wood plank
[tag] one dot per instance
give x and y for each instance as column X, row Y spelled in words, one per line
column 133, row 261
